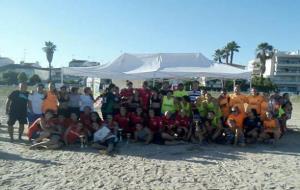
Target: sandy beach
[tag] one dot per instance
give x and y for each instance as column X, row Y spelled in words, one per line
column 137, row 166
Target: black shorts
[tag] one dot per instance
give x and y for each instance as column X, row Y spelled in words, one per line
column 157, row 139
column 13, row 118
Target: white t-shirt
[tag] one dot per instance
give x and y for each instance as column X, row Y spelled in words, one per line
column 36, row 100
column 102, row 133
column 86, row 100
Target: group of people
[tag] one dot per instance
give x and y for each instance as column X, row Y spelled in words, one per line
column 162, row 116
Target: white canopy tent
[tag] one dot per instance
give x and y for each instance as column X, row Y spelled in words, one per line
column 160, row 65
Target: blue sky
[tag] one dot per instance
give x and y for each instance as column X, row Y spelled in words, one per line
column 102, row 30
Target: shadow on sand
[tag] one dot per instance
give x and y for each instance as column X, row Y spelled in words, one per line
column 14, row 157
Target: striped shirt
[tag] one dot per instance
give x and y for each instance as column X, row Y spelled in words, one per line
column 194, row 95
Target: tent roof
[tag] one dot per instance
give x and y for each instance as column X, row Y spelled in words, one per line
column 159, row 65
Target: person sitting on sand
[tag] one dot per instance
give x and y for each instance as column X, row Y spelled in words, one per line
column 252, row 126
column 142, row 134
column 182, row 123
column 123, row 122
column 197, row 131
column 169, row 132
column 45, row 133
column 85, row 119
column 271, row 128
column 136, row 117
column 213, row 126
column 103, row 137
column 75, row 132
column 235, row 122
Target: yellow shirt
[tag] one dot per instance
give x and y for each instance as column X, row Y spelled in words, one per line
column 179, row 93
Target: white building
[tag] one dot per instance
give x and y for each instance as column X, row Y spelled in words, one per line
column 5, row 61
column 284, row 70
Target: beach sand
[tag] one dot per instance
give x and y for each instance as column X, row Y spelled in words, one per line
column 137, row 166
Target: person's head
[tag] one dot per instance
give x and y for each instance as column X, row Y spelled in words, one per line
column 151, row 113
column 286, row 96
column 49, row 114
column 123, row 111
column 87, row 110
column 23, row 86
column 63, row 89
column 252, row 113
column 208, row 96
column 169, row 94
column 51, row 87
column 95, row 117
column 145, row 84
column 40, row 88
column 195, row 85
column 253, row 91
column 138, row 126
column 223, row 91
column 168, row 114
column 269, row 115
column 139, row 111
column 237, row 89
column 74, row 90
column 129, row 84
column 116, row 90
column 210, row 115
column 180, row 87
column 73, row 116
column 235, row 110
column 87, row 90
column 182, row 113
column 165, row 85
column 95, row 126
column 203, row 92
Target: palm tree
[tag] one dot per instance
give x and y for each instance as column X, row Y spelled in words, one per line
column 219, row 54
column 232, row 47
column 264, row 51
column 226, row 54
column 49, row 49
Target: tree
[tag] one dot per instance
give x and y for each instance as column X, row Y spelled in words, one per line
column 10, row 77
column 219, row 54
column 34, row 79
column 226, row 54
column 264, row 51
column 22, row 77
column 232, row 47
column 49, row 49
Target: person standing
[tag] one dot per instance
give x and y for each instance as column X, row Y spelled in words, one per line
column 16, row 109
column 87, row 99
column 35, row 104
column 50, row 101
column 74, row 101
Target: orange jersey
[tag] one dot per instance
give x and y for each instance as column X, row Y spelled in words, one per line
column 239, row 119
column 50, row 103
column 270, row 124
column 254, row 102
column 264, row 106
column 224, row 105
column 238, row 100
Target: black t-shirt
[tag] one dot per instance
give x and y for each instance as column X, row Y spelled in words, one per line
column 18, row 104
column 252, row 123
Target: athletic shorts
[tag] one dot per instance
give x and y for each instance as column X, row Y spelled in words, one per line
column 32, row 117
column 13, row 118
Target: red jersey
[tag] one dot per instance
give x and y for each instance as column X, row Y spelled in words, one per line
column 35, row 127
column 123, row 122
column 134, row 119
column 182, row 121
column 126, row 93
column 155, row 124
column 87, row 122
column 145, row 95
column 73, row 133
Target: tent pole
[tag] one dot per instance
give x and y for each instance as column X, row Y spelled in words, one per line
column 233, row 83
column 250, row 82
column 61, row 76
column 222, row 83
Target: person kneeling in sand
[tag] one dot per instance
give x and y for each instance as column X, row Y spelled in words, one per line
column 103, row 138
column 271, row 129
column 143, row 134
column 235, row 122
